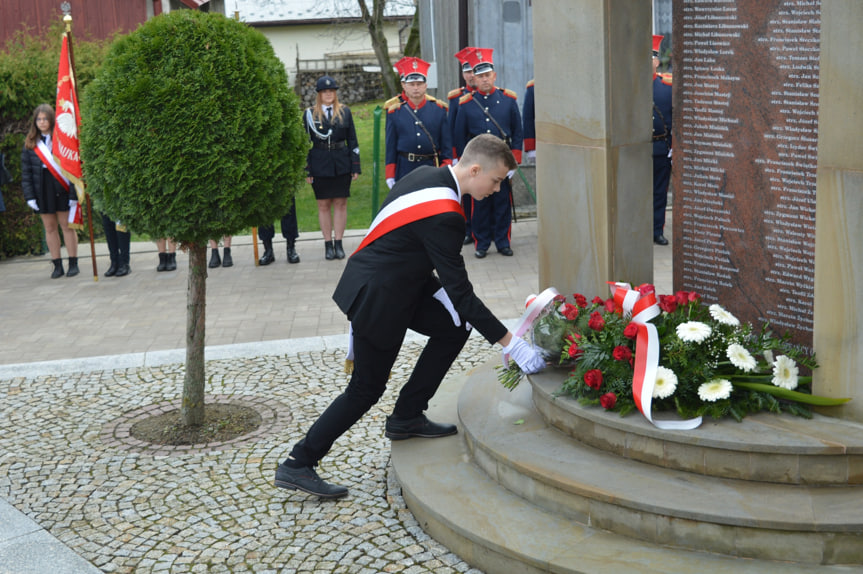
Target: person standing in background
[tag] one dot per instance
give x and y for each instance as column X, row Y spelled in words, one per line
column 215, row 260
column 529, row 124
column 47, row 191
column 118, row 239
column 167, row 255
column 417, row 131
column 453, row 98
column 290, row 231
column 332, row 163
column 662, row 110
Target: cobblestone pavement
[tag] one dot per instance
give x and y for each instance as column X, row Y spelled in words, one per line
column 65, row 465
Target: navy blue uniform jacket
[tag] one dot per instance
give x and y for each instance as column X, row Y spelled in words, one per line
column 384, row 283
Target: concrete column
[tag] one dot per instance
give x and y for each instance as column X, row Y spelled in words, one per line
column 593, row 123
column 838, row 330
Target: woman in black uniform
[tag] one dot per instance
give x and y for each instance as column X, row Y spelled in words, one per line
column 332, row 163
column 47, row 191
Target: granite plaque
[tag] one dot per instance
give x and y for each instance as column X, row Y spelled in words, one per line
column 745, row 88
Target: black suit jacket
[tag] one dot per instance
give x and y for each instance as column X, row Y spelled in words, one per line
column 340, row 160
column 384, row 283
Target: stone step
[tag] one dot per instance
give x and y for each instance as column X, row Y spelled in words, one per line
column 498, row 532
column 511, row 441
column 764, row 447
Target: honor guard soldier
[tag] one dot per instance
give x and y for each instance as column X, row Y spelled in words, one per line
column 490, row 110
column 453, row 97
column 417, row 132
column 529, row 124
column 662, row 110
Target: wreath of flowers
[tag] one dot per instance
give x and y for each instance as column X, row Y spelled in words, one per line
column 710, row 363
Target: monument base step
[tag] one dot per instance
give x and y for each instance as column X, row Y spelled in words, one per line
column 494, row 530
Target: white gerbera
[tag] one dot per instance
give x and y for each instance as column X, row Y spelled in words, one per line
column 719, row 313
column 693, row 331
column 714, row 390
column 666, row 383
column 785, row 372
column 741, row 358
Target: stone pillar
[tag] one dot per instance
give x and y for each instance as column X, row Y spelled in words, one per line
column 593, row 124
column 838, row 327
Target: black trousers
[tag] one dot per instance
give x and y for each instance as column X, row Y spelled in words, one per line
column 372, row 366
column 661, row 179
column 118, row 241
column 290, row 229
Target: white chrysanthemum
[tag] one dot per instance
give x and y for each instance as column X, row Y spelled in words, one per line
column 666, row 383
column 719, row 313
column 693, row 331
column 714, row 390
column 741, row 358
column 785, row 372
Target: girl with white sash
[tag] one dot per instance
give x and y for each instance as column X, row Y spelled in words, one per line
column 47, row 191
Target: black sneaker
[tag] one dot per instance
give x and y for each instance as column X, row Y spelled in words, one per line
column 400, row 429
column 307, row 480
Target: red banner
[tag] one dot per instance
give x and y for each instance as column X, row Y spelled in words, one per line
column 66, row 144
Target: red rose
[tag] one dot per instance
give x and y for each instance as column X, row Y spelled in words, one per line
column 693, row 297
column 597, row 300
column 569, row 311
column 668, row 303
column 682, row 297
column 574, row 351
column 621, row 353
column 646, row 289
column 593, row 378
column 596, row 322
column 609, row 305
column 608, row 400
column 631, row 331
column 580, row 300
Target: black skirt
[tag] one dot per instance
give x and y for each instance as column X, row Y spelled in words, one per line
column 53, row 196
column 332, row 187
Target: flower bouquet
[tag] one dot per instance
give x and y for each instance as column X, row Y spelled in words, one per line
column 709, row 363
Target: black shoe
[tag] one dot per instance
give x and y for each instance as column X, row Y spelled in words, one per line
column 293, row 256
column 58, row 268
column 267, row 257
column 73, row 267
column 467, row 240
column 660, row 240
column 112, row 270
column 399, row 429
column 172, row 262
column 480, row 253
column 307, row 480
column 337, row 246
column 227, row 260
column 215, row 260
column 329, row 250
column 163, row 262
column 505, row 251
column 123, row 270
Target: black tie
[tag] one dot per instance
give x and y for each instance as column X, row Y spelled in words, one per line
column 329, row 114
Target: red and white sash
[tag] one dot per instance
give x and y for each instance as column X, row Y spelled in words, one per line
column 412, row 207
column 48, row 160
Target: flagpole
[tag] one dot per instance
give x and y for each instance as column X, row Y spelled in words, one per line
column 67, row 19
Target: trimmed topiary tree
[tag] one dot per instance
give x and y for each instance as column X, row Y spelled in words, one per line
column 191, row 132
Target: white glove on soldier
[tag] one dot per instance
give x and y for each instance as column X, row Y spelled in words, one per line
column 525, row 356
column 33, row 205
column 531, row 156
column 391, row 181
column 72, row 204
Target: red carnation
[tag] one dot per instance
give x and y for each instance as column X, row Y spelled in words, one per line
column 569, row 311
column 593, row 378
column 631, row 331
column 580, row 300
column 596, row 321
column 597, row 300
column 608, row 400
column 668, row 303
column 574, row 351
column 621, row 353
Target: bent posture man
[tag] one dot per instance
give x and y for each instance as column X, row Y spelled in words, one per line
column 389, row 285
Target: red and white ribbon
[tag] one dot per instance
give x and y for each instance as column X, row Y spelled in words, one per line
column 48, row 161
column 642, row 309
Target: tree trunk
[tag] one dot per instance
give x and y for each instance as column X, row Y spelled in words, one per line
column 375, row 23
column 196, row 301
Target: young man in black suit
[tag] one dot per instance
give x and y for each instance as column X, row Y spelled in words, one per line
column 408, row 273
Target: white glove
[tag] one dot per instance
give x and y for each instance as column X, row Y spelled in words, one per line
column 524, row 355
column 454, row 162
column 33, row 205
column 72, row 204
column 444, row 299
column 391, row 181
column 531, row 156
